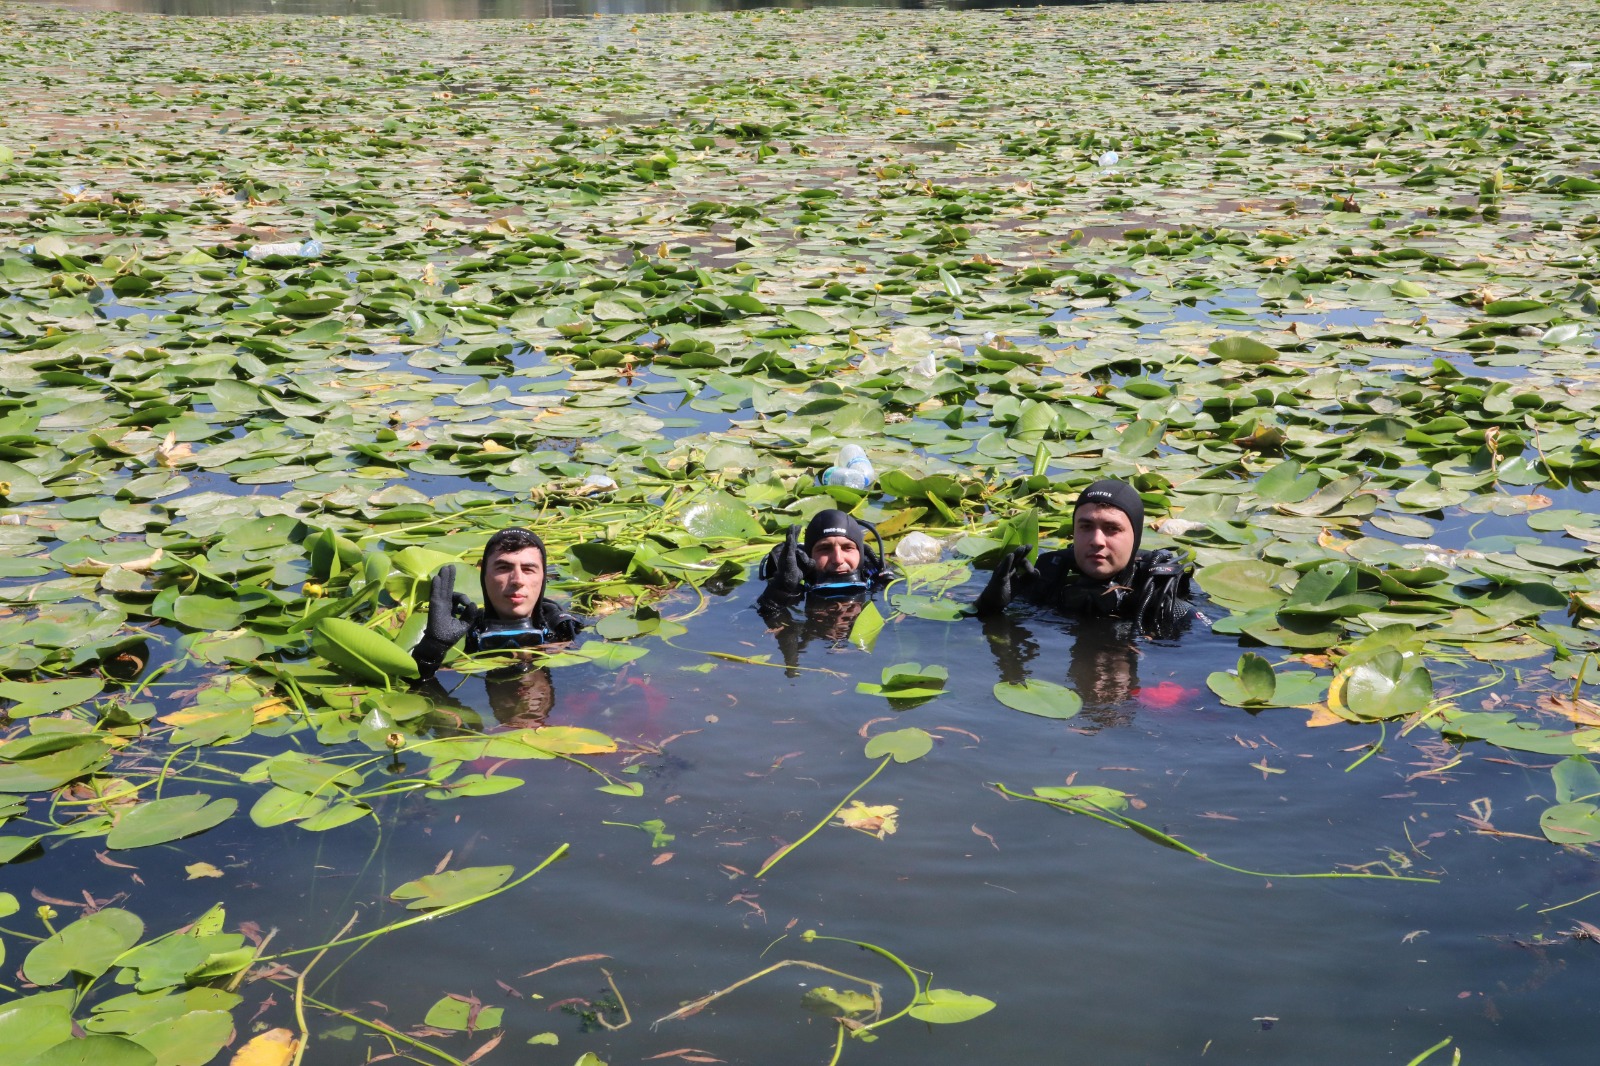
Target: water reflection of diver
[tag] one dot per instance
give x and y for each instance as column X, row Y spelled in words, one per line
column 817, row 586
column 516, row 612
column 1103, row 667
column 1102, row 574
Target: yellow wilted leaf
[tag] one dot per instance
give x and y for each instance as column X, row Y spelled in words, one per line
column 1321, row 716
column 494, row 446
column 1329, row 539
column 275, row 1047
column 267, row 710
column 201, row 869
column 187, row 717
column 1580, row 711
column 874, row 821
column 569, row 740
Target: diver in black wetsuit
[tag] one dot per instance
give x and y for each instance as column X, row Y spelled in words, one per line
column 1103, row 574
column 516, row 613
column 830, row 575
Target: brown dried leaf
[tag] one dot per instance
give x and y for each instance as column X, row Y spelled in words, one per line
column 566, row 962
column 484, row 1050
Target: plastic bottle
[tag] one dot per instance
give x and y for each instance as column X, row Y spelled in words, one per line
column 1108, row 159
column 915, row 549
column 598, row 483
column 852, row 469
column 296, row 249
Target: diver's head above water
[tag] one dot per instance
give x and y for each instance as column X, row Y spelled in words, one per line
column 1107, row 525
column 835, row 542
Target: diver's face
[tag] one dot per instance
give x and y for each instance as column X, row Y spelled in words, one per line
column 514, row 580
column 836, row 555
column 1102, row 540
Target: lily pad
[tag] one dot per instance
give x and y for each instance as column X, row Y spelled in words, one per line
column 1046, row 699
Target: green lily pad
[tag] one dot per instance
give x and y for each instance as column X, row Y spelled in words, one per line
column 1046, row 699
column 88, row 946
column 170, row 818
column 451, row 887
column 905, row 745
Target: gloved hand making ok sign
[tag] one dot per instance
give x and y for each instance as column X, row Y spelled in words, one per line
column 787, row 569
column 451, row 616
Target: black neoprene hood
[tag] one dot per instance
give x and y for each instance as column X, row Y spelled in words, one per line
column 833, row 523
column 1121, row 495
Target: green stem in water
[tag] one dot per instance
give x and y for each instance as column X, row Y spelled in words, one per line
column 1151, row 833
column 770, row 863
column 1383, row 734
column 430, row 916
column 916, row 983
column 387, row 1032
column 1441, row 1044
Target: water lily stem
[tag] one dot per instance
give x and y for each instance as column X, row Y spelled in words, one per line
column 1383, row 734
column 430, row 916
column 770, row 863
column 1441, row 1044
column 300, row 994
column 627, row 1019
column 384, row 1030
column 916, row 982
column 1151, row 833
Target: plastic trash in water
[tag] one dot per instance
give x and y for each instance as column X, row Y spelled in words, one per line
column 916, row 549
column 598, row 483
column 308, row 249
column 853, row 469
column 1108, row 159
column 925, row 367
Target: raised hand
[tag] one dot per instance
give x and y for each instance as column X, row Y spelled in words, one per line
column 451, row 616
column 787, row 568
column 1012, row 574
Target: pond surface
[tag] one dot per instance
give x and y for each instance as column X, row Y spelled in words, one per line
column 1319, row 284
column 440, row 10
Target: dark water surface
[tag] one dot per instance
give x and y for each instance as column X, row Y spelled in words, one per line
column 1099, row 946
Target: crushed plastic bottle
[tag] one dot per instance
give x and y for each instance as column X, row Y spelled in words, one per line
column 916, row 549
column 926, row 367
column 308, row 249
column 598, row 483
column 1108, row 159
column 852, row 469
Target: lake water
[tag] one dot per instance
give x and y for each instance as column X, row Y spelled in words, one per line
column 441, row 10
column 1097, row 945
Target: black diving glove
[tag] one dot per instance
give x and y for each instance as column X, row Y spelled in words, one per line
column 451, row 616
column 787, row 569
column 1161, row 605
column 1012, row 575
column 561, row 626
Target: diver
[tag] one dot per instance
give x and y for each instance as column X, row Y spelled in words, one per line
column 1102, row 574
column 517, row 614
column 829, row 575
